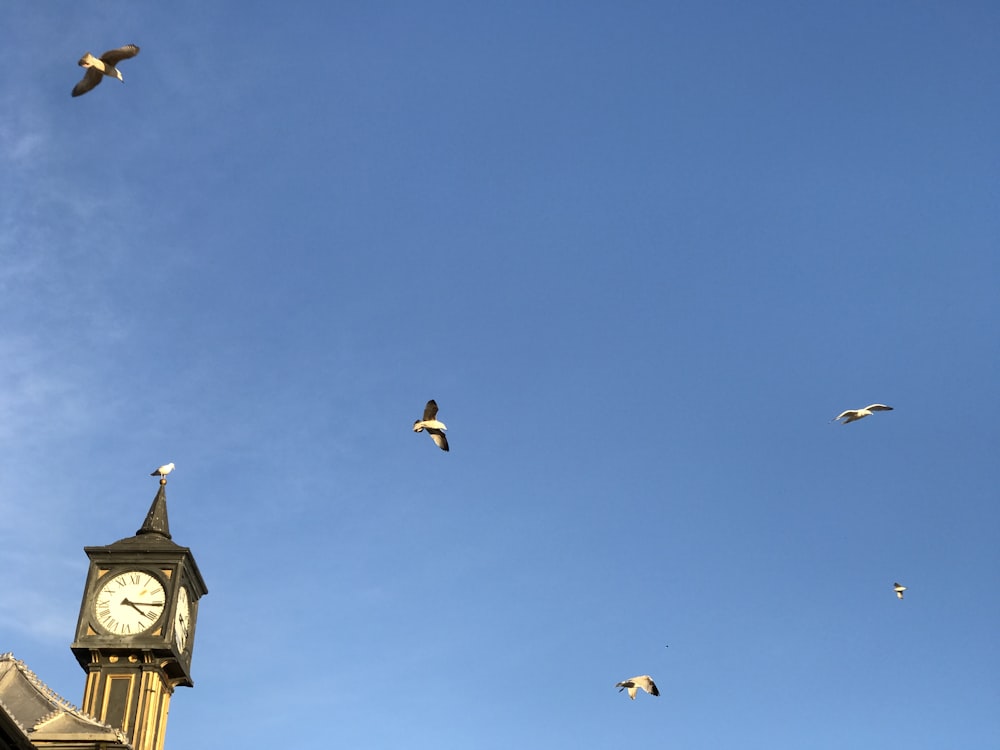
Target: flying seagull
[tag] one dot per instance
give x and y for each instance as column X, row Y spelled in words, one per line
column 163, row 470
column 632, row 684
column 98, row 67
column 434, row 428
column 899, row 590
column 853, row 415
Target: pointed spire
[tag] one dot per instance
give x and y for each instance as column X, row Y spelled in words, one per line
column 156, row 520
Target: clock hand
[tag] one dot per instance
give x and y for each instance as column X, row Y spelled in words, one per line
column 128, row 603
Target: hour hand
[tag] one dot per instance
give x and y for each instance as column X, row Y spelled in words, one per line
column 127, row 603
column 135, row 606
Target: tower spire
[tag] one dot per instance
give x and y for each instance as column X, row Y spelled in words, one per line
column 156, row 520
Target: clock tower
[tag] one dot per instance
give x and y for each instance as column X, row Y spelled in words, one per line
column 135, row 632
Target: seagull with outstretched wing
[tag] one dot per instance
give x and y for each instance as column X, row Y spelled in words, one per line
column 433, row 427
column 632, row 684
column 853, row 415
column 899, row 589
column 98, row 67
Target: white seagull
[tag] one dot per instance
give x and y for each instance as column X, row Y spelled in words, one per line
column 899, row 590
column 434, row 428
column 643, row 681
column 98, row 67
column 853, row 415
column 163, row 470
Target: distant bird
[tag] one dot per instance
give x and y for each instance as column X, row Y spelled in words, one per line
column 430, row 423
column 98, row 67
column 853, row 415
column 163, row 470
column 633, row 683
column 899, row 590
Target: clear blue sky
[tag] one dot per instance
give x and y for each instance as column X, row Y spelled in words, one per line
column 639, row 253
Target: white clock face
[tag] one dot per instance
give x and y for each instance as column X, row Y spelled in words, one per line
column 182, row 619
column 129, row 603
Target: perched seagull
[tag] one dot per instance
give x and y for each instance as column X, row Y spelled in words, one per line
column 430, row 423
column 163, row 470
column 899, row 590
column 643, row 681
column 853, row 415
column 98, row 67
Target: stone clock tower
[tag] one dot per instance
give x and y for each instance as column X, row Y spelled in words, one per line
column 136, row 628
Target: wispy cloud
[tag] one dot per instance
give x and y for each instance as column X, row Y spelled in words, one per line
column 41, row 611
column 57, row 251
column 37, row 394
column 58, row 321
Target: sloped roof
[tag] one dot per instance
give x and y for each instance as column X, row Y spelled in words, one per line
column 44, row 719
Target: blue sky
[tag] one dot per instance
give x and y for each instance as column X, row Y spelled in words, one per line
column 639, row 253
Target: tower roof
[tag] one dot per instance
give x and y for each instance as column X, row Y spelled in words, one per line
column 155, row 530
column 156, row 520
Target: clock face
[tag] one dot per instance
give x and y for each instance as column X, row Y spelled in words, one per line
column 129, row 602
column 182, row 619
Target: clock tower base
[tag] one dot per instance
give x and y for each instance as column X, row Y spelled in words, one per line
column 129, row 689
